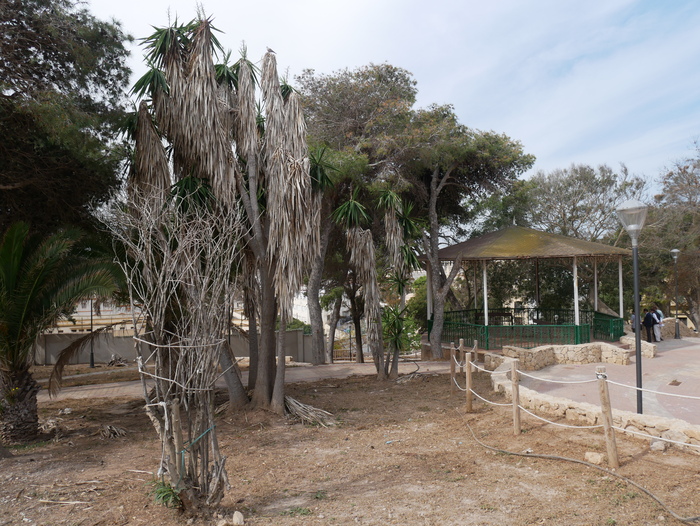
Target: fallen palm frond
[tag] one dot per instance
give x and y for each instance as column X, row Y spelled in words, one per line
column 308, row 414
column 110, row 431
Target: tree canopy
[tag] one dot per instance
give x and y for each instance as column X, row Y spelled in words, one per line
column 62, row 94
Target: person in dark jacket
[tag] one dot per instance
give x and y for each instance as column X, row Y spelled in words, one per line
column 649, row 320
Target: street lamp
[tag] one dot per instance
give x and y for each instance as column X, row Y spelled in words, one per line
column 632, row 215
column 675, row 252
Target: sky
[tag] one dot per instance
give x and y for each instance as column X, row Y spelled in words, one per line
column 595, row 82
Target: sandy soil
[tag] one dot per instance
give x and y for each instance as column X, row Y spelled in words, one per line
column 402, row 453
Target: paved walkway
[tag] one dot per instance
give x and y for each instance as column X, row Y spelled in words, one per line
column 294, row 374
column 675, row 370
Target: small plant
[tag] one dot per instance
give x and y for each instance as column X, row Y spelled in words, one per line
column 611, row 522
column 320, row 495
column 297, row 512
column 165, row 495
column 28, row 447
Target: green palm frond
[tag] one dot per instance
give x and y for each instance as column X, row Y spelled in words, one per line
column 389, row 199
column 226, row 75
column 41, row 279
column 190, row 192
column 412, row 227
column 319, row 168
column 352, row 213
column 287, row 89
column 165, row 40
column 151, row 82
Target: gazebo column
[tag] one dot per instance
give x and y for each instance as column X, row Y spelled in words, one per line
column 576, row 313
column 486, row 293
column 595, row 284
column 619, row 287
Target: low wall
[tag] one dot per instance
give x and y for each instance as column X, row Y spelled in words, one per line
column 596, row 352
column 121, row 343
column 589, row 414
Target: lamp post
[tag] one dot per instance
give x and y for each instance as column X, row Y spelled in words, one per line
column 675, row 252
column 92, row 340
column 632, row 215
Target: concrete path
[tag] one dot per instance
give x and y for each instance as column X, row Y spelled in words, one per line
column 294, row 374
column 675, row 370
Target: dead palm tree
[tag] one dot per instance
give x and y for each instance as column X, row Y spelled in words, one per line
column 249, row 146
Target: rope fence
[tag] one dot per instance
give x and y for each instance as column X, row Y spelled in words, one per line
column 467, row 366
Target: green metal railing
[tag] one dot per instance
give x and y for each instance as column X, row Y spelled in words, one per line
column 608, row 328
column 528, row 327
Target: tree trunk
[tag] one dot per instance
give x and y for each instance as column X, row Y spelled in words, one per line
column 313, row 290
column 236, row 392
column 360, row 355
column 277, row 404
column 333, row 324
column 436, row 330
column 19, row 415
column 394, row 372
column 376, row 344
column 265, row 378
column 253, row 341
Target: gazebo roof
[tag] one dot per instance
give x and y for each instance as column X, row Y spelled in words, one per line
column 518, row 242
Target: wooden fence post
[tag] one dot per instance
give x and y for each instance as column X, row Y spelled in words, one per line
column 452, row 370
column 461, row 355
column 469, row 380
column 610, row 443
column 515, row 391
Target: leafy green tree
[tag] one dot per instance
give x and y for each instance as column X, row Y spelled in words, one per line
column 674, row 223
column 41, row 279
column 62, row 92
column 445, row 165
column 347, row 112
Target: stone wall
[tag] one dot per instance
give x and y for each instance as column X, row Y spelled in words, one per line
column 595, row 352
column 582, row 413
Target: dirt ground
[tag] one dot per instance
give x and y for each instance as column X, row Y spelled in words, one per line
column 402, row 453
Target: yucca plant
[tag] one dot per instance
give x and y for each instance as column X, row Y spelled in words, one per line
column 41, row 279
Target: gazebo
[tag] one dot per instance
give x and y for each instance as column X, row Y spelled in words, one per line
column 530, row 327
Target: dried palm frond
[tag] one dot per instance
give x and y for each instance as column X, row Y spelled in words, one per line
column 110, row 431
column 150, row 172
column 68, row 353
column 308, row 414
column 53, row 426
column 362, row 258
column 246, row 131
column 203, row 140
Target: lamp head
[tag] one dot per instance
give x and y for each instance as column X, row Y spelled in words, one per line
column 675, row 252
column 632, row 215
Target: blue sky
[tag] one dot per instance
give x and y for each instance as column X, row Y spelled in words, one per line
column 587, row 82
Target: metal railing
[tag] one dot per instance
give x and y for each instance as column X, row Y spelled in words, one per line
column 528, row 327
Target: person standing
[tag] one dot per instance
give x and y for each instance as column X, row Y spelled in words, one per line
column 648, row 320
column 659, row 316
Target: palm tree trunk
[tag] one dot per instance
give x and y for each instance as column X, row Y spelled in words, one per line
column 253, row 342
column 277, row 404
column 19, row 418
column 332, row 324
column 236, row 392
column 313, row 290
column 265, row 377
